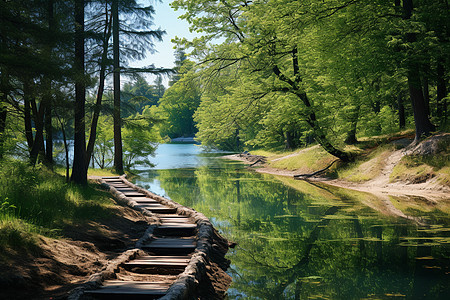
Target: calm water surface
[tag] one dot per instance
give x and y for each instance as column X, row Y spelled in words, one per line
column 307, row 241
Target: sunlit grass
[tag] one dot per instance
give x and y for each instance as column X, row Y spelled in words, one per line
column 365, row 168
column 91, row 172
column 35, row 200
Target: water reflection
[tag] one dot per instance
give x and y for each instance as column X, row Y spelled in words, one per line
column 312, row 241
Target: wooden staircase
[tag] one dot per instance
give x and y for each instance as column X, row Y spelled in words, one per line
column 169, row 252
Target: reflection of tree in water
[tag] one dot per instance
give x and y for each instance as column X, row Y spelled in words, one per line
column 294, row 245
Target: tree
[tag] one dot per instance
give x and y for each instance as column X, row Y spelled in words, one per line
column 79, row 170
column 118, row 153
column 267, row 39
column 179, row 103
column 136, row 40
column 421, row 112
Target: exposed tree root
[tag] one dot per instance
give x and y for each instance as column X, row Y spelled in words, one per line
column 303, row 176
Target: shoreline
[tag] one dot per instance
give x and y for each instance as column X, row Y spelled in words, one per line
column 379, row 186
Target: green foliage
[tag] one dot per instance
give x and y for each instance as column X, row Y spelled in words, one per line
column 139, row 137
column 179, row 103
column 276, row 73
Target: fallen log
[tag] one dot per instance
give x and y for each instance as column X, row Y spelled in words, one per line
column 257, row 161
column 303, row 176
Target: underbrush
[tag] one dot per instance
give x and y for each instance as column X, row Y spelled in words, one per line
column 35, row 200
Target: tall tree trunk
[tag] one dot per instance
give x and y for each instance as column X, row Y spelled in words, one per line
column 101, row 88
column 3, row 115
column 48, row 160
column 47, row 103
column 38, row 143
column 421, row 119
column 351, row 134
column 289, row 140
column 79, row 170
column 27, row 98
column 426, row 93
column 401, row 112
column 441, row 90
column 118, row 152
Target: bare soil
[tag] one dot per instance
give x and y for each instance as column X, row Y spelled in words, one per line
column 58, row 265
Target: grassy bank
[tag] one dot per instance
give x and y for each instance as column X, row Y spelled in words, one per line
column 35, row 200
column 371, row 155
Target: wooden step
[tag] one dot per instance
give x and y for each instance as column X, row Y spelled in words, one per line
column 172, row 216
column 133, row 194
column 176, row 220
column 170, row 246
column 116, row 289
column 141, row 200
column 157, row 208
column 117, row 186
column 126, row 189
column 178, row 229
column 113, row 181
column 163, row 265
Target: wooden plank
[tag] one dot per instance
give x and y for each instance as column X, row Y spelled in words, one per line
column 161, row 210
column 172, row 220
column 126, row 189
column 171, row 243
column 175, row 229
column 115, row 289
column 179, row 226
column 156, row 207
column 141, row 200
column 151, row 205
column 172, row 216
column 116, row 180
column 120, row 185
column 159, row 261
column 134, row 194
column 163, row 258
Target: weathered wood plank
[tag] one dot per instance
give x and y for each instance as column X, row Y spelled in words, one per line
column 116, row 289
column 126, row 189
column 141, row 200
column 159, row 261
column 169, row 220
column 177, row 226
column 157, row 208
column 133, row 194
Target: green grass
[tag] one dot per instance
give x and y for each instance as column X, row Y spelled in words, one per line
column 366, row 167
column 311, row 159
column 91, row 171
column 34, row 200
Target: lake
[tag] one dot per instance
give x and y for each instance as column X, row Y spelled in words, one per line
column 298, row 240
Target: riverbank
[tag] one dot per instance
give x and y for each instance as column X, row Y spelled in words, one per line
column 390, row 169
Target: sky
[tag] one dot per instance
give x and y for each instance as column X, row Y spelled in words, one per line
column 166, row 19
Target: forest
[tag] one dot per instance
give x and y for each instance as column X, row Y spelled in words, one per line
column 261, row 74
column 282, row 74
column 304, row 83
column 61, row 64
